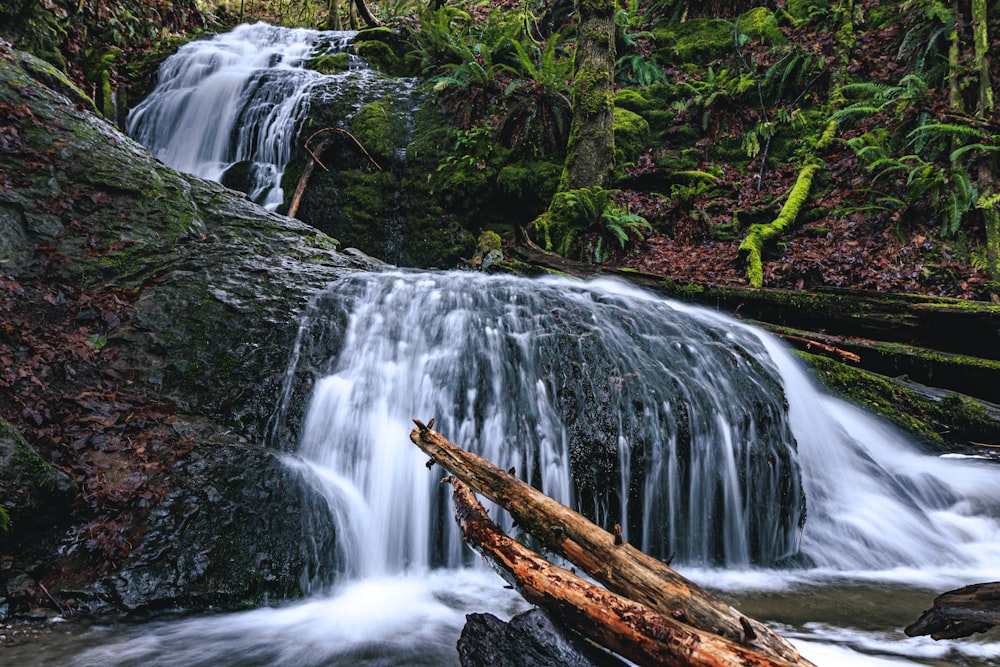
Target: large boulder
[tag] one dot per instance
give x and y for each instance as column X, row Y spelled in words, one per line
column 210, row 287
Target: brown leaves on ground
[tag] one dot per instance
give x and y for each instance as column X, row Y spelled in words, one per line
column 59, row 386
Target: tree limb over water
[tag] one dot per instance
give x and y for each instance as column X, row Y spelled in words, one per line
column 657, row 608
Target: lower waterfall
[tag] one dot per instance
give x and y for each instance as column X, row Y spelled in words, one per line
column 702, row 435
column 666, row 418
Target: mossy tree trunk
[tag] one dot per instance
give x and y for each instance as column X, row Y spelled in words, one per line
column 333, row 21
column 591, row 147
column 985, row 111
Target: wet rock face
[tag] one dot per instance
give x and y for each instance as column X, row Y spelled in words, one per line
column 234, row 532
column 528, row 640
column 218, row 283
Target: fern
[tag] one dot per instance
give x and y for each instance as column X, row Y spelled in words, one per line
column 586, row 224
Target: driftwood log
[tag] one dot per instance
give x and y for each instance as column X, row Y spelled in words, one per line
column 628, row 628
column 960, row 613
column 623, row 569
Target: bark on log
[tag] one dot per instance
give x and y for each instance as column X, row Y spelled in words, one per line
column 621, row 567
column 960, row 613
column 628, row 628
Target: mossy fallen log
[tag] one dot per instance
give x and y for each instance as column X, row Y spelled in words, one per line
column 968, row 328
column 960, row 373
column 625, row 570
column 946, row 421
column 752, row 248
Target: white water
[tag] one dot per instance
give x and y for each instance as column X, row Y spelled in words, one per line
column 239, row 96
column 887, row 526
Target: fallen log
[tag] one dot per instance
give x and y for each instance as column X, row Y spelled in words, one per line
column 618, row 565
column 960, row 613
column 630, row 629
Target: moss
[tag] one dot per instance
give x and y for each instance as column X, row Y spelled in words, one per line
column 591, row 90
column 752, row 246
column 952, row 419
column 529, row 180
column 760, row 23
column 141, row 65
column 698, row 40
column 631, row 99
column 329, row 63
column 631, row 135
column 807, row 9
column 488, row 240
column 381, row 128
column 385, row 50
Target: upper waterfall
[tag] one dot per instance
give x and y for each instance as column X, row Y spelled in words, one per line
column 238, row 97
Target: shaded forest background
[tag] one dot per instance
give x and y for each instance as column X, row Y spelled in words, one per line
column 720, row 107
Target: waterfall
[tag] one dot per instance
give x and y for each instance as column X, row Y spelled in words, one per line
column 701, row 436
column 239, row 97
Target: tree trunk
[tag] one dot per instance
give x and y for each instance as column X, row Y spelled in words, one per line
column 590, row 150
column 366, row 15
column 986, row 177
column 626, row 627
column 621, row 567
column 333, row 21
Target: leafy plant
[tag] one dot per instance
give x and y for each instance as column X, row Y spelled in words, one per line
column 916, row 160
column 717, row 89
column 928, row 28
column 586, row 224
column 499, row 76
column 636, row 65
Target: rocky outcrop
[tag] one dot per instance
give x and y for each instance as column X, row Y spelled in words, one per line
column 216, row 284
column 528, row 640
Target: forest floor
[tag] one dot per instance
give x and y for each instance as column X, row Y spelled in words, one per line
column 849, row 253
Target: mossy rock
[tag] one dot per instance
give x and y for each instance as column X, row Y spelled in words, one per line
column 330, row 63
column 142, row 66
column 385, row 50
column 239, row 176
column 632, row 99
column 33, row 493
column 807, row 9
column 528, row 186
column 631, row 135
column 381, row 127
column 698, row 40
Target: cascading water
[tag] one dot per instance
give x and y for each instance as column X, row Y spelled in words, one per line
column 241, row 98
column 699, row 435
column 557, row 381
column 667, row 419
